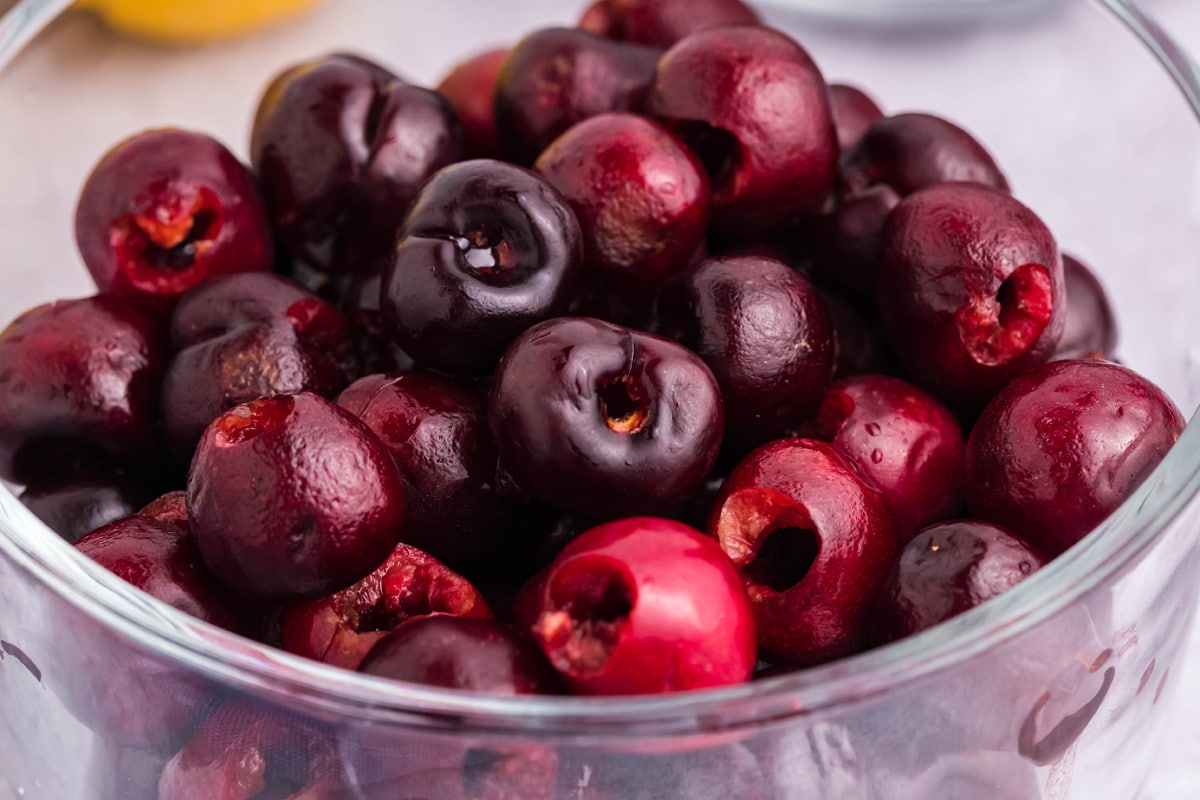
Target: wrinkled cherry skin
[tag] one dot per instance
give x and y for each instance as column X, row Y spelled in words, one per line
column 904, row 441
column 342, row 145
column 478, row 655
column 640, row 195
column 166, row 209
column 753, row 105
column 811, row 593
column 471, row 89
column 946, row 570
column 342, row 628
column 1063, row 445
column 603, row 420
column 292, row 497
column 557, row 77
column 765, row 333
column 79, row 376
column 242, row 337
column 910, row 152
column 438, row 433
column 970, row 290
column 662, row 23
column 73, row 505
column 487, row 250
column 246, row 752
column 644, row 606
column 1091, row 327
column 854, row 112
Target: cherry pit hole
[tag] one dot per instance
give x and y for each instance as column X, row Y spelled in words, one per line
column 593, row 606
column 249, row 421
column 487, row 254
column 784, row 558
column 624, row 404
column 719, row 151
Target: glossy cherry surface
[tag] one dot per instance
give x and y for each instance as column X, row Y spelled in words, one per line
column 1063, row 445
column 1091, row 325
column 603, row 420
column 73, row 505
column 166, row 209
column 644, row 605
column 663, row 22
column 293, row 497
column 854, row 112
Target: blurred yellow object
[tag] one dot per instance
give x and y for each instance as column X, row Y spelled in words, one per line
column 187, row 21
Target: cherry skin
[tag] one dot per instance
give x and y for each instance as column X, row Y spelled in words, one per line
column 342, row 628
column 948, row 569
column 242, row 337
column 1063, row 445
column 814, row 543
column 487, row 250
column 292, row 497
column 662, row 23
column 471, row 89
column 602, row 420
column 1091, row 326
column 854, row 112
column 641, row 198
column 557, row 77
column 903, row 440
column 165, row 210
column 73, row 505
column 437, row 431
column 342, row 145
column 769, row 162
column 970, row 290
column 477, row 655
column 846, row 241
column 765, row 333
column 79, row 378
column 642, row 606
column 861, row 347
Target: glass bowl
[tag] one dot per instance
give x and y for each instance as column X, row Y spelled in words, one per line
column 1056, row 690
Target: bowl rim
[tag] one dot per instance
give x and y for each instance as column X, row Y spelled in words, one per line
column 317, row 689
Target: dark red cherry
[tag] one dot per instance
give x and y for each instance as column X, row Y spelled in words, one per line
column 947, row 569
column 1091, row 327
column 765, row 333
column 854, row 112
column 342, row 628
column 603, row 420
column 79, row 378
column 970, row 290
column 861, row 348
column 557, row 77
column 471, row 89
column 487, row 250
column 342, row 145
column 846, row 241
column 292, row 497
column 641, row 198
column 769, row 162
column 478, row 655
column 663, row 22
column 814, row 543
column 1063, row 445
column 166, row 209
column 73, row 505
column 643, row 606
column 902, row 439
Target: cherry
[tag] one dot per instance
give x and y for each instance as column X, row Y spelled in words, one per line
column 861, row 349
column 903, row 440
column 556, row 77
column 1063, row 445
column 753, row 106
column 242, row 337
column 641, row 198
column 73, row 505
column 79, row 378
column 438, row 434
column 644, row 605
column 342, row 628
column 342, row 145
column 487, row 250
column 170, row 508
column 1091, row 327
column 471, row 89
column 854, row 112
column 477, row 655
column 846, row 242
column 765, row 333
column 947, row 569
column 166, row 209
column 813, row 542
column 970, row 290
column 603, row 420
column 374, row 350
column 292, row 497
column 662, row 22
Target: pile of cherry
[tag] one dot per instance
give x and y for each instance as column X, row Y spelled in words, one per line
column 633, row 358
